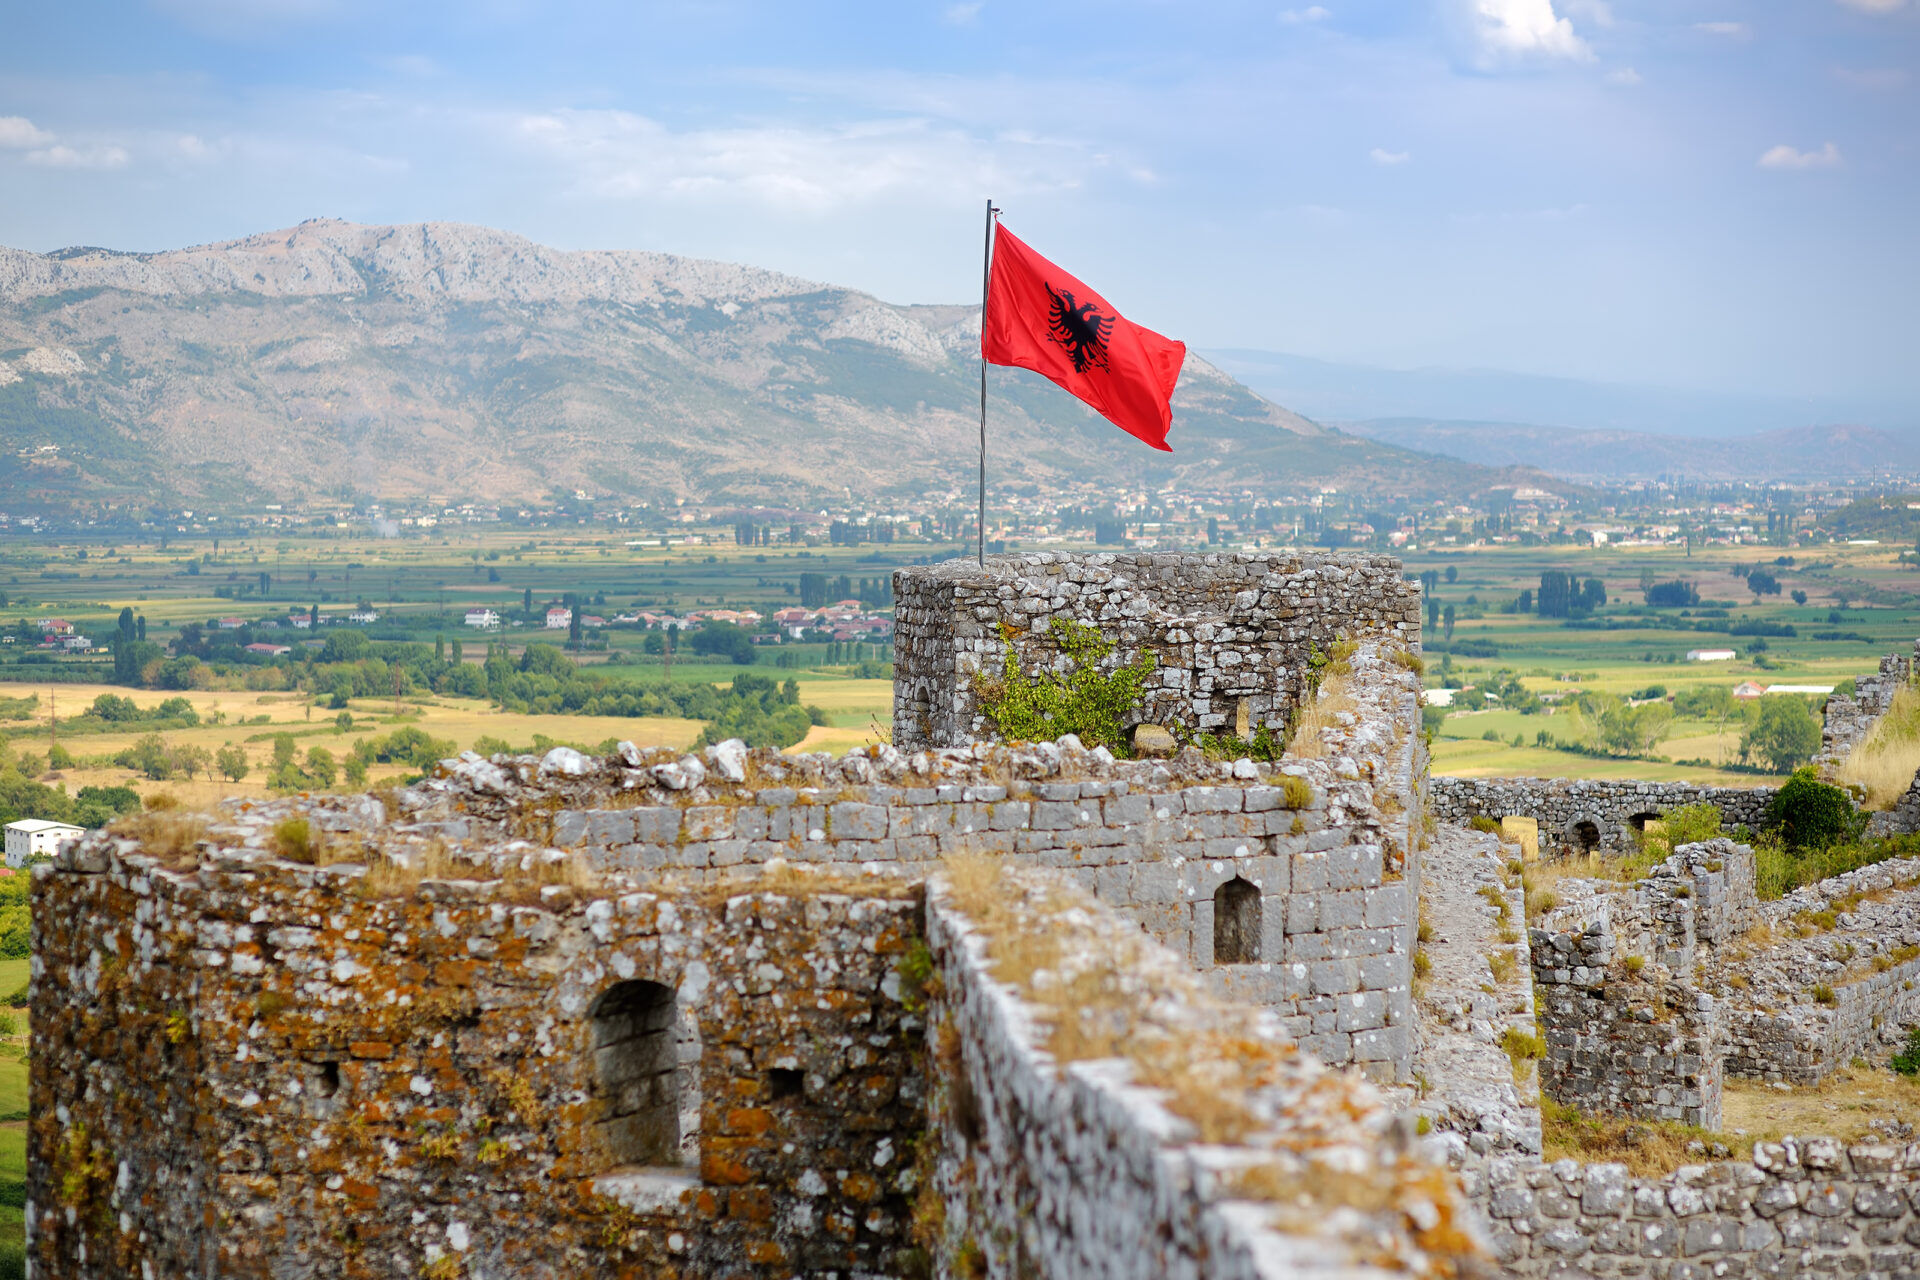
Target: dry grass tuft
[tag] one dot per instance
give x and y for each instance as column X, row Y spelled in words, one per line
column 1649, row 1149
column 1307, row 740
column 801, row 879
column 166, row 834
column 400, row 872
column 296, row 840
column 1847, row 1106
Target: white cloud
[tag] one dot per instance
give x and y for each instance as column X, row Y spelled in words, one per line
column 1380, row 155
column 1625, row 77
column 18, row 131
column 1522, row 29
column 806, row 168
column 1731, row 30
column 1312, row 13
column 1786, row 157
column 1875, row 6
column 61, row 156
column 963, row 15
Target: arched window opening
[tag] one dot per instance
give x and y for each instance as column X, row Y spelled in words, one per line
column 637, row 1071
column 1236, row 923
column 1586, row 837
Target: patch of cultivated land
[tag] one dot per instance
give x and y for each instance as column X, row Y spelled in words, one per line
column 853, row 708
column 421, row 582
column 462, row 720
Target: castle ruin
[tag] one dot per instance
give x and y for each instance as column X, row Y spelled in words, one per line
column 945, row 1007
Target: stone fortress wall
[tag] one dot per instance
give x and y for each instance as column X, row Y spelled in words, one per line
column 694, row 993
column 1802, row 1207
column 1849, row 719
column 246, row 1066
column 1650, row 992
column 571, row 988
column 1232, row 635
column 1311, row 863
column 1589, row 815
column 1051, row 1168
column 1628, row 1030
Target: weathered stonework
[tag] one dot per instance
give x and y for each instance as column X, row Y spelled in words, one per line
column 1803, row 1207
column 1849, row 719
column 258, row 1068
column 1585, row 815
column 1334, row 870
column 1470, row 1096
column 1231, row 634
column 1628, row 1032
column 1650, row 991
column 1084, row 1168
column 1804, row 1007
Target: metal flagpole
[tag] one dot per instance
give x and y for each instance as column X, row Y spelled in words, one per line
column 986, row 281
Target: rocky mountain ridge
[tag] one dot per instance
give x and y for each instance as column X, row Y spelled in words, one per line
column 448, row 361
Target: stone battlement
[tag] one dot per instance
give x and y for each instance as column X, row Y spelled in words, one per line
column 1315, row 854
column 1232, row 635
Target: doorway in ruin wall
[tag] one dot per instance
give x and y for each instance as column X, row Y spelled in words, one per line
column 646, row 1057
column 1236, row 923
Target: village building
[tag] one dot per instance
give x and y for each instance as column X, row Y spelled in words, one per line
column 30, row 839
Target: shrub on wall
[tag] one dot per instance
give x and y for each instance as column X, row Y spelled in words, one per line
column 1086, row 700
column 1812, row 814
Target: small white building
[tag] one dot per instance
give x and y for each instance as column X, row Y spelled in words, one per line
column 1710, row 655
column 483, row 619
column 364, row 617
column 559, row 619
column 32, row 838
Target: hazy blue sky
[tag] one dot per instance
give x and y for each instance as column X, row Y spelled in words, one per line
column 1709, row 193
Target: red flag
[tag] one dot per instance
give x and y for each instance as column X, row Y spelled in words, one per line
column 1041, row 318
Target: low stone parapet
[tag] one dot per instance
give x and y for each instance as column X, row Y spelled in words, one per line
column 1799, row 1207
column 1095, row 1113
column 1590, row 815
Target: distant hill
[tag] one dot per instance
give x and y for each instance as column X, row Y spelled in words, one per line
column 449, row 361
column 1795, row 453
column 1329, row 391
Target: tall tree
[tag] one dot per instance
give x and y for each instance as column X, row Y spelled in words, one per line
column 1556, row 594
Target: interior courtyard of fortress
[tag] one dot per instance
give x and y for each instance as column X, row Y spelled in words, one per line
column 1266, row 1001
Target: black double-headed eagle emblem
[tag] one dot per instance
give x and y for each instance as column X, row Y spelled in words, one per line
column 1080, row 329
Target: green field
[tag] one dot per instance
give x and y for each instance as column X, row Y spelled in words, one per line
column 1861, row 602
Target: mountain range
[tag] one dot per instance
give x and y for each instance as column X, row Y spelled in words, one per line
column 444, row 361
column 1814, row 453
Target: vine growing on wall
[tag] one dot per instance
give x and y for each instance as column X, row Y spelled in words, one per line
column 1085, row 700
